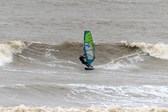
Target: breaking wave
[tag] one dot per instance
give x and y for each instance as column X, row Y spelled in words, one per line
column 106, row 53
column 158, row 50
column 8, row 49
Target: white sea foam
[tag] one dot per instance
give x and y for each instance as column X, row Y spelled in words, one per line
column 156, row 94
column 127, row 61
column 7, row 49
column 159, row 50
column 23, row 108
column 161, row 91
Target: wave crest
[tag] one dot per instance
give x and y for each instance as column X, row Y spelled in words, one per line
column 8, row 49
column 70, row 51
column 158, row 50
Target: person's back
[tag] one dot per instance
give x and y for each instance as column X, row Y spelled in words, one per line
column 82, row 59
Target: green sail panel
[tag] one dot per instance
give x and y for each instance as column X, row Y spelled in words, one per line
column 89, row 49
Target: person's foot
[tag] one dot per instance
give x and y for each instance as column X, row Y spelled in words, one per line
column 90, row 66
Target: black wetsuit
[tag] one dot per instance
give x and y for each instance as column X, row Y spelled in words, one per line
column 82, row 59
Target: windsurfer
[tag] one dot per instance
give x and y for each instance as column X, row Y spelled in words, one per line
column 82, row 58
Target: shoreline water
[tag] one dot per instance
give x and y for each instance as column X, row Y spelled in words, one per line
column 22, row 108
column 41, row 69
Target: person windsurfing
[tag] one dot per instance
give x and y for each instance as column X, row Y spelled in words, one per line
column 89, row 51
column 82, row 58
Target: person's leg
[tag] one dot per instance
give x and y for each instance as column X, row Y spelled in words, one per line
column 86, row 64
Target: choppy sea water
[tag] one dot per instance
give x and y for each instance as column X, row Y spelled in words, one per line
column 41, row 41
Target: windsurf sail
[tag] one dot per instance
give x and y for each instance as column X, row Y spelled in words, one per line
column 89, row 49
